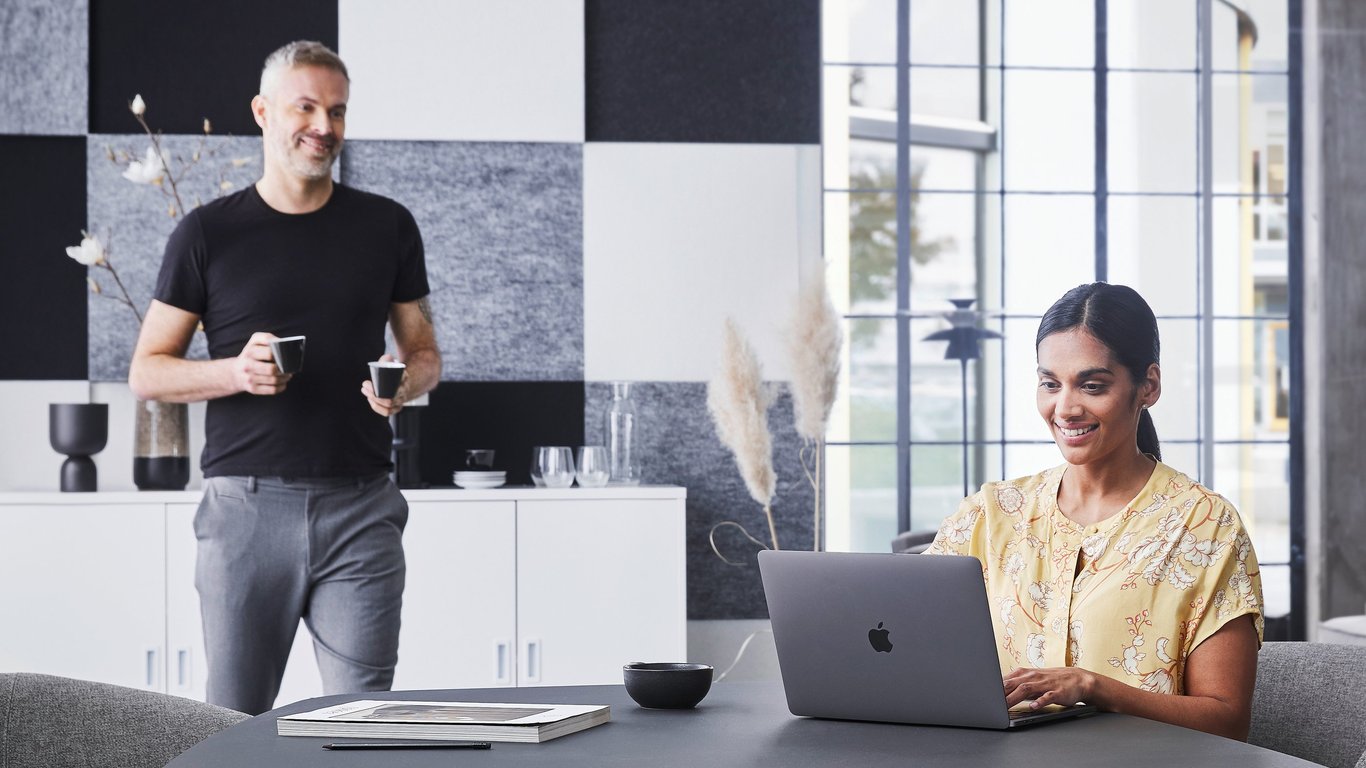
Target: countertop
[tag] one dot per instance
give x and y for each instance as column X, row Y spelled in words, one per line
column 448, row 493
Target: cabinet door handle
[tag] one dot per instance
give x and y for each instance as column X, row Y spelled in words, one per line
column 502, row 662
column 531, row 668
column 183, row 667
column 153, row 667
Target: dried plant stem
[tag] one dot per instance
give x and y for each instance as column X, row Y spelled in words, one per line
column 123, row 290
column 711, row 537
column 156, row 144
column 772, row 529
column 816, row 523
column 812, row 468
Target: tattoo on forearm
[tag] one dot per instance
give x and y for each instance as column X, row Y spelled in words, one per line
column 425, row 306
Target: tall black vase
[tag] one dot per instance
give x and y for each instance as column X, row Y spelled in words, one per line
column 79, row 430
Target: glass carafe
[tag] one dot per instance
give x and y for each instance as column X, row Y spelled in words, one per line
column 621, row 430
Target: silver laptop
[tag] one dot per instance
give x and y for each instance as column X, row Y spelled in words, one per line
column 890, row 638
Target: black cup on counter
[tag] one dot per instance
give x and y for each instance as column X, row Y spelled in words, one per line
column 667, row 685
column 479, row 459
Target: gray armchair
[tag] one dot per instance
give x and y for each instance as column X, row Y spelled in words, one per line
column 913, row 542
column 56, row 722
column 1307, row 702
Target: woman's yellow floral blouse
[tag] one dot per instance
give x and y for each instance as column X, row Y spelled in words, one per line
column 1129, row 597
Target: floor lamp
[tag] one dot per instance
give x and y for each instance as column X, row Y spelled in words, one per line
column 964, row 338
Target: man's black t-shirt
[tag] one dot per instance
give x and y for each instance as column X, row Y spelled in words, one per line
column 329, row 275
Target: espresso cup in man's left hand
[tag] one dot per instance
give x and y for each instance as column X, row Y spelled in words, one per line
column 385, row 376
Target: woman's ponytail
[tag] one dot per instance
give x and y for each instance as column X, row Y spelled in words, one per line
column 1147, row 435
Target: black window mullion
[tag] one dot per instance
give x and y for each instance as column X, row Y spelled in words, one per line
column 903, row 264
column 1102, row 89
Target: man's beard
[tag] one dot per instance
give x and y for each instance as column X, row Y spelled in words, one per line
column 301, row 161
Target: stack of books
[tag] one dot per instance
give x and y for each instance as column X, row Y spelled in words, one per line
column 445, row 720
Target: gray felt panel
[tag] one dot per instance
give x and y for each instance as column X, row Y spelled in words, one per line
column 133, row 220
column 681, row 448
column 44, row 65
column 503, row 228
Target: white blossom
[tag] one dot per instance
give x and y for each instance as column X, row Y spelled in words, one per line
column 1131, row 658
column 90, row 252
column 1014, row 565
column 1035, row 650
column 1158, row 681
column 138, row 107
column 1162, row 651
column 149, row 170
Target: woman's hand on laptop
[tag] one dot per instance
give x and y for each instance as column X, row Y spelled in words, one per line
column 1054, row 685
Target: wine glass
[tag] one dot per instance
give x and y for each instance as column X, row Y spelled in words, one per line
column 592, row 466
column 553, row 466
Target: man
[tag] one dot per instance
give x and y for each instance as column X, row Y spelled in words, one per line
column 299, row 518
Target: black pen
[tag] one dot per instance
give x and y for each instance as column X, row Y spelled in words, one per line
column 408, row 745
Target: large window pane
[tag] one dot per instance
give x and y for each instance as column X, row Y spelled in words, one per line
column 1183, row 457
column 867, row 233
column 861, row 498
column 1254, row 38
column 954, row 93
column 1050, row 33
column 944, row 32
column 1152, row 246
column 871, row 393
column 1048, row 136
column 1275, row 589
column 1019, row 381
column 1251, row 135
column 1050, row 248
column 936, row 483
column 868, row 87
column 1251, row 379
column 1152, row 132
column 1152, row 34
column 935, row 168
column 1026, row 460
column 937, row 406
column 1256, row 478
column 1177, row 413
column 944, row 250
column 859, row 30
column 872, row 164
column 1251, row 269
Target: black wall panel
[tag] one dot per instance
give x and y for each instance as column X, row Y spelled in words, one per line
column 510, row 417
column 723, row 71
column 191, row 60
column 42, row 291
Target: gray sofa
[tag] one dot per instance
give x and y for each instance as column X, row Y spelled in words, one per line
column 1308, row 702
column 57, row 722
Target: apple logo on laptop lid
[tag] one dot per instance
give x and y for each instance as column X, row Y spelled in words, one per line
column 878, row 638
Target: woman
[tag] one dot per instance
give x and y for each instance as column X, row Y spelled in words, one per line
column 1114, row 579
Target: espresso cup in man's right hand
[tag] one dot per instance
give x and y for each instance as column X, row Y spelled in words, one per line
column 385, row 376
column 288, row 353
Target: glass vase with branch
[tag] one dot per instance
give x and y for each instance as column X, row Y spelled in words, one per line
column 161, row 443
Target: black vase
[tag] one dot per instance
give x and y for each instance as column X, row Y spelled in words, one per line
column 78, row 430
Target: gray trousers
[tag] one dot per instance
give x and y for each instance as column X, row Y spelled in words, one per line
column 273, row 551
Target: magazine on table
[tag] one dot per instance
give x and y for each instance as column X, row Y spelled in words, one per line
column 455, row 720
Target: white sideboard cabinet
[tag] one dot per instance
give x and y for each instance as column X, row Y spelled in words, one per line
column 505, row 587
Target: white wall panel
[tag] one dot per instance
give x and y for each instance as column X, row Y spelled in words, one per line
column 27, row 461
column 679, row 236
column 466, row 70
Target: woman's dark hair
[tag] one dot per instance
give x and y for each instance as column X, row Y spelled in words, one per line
column 1121, row 320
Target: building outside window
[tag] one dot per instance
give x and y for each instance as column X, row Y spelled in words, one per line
column 1050, row 143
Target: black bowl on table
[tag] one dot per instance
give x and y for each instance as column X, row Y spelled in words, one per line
column 667, row 685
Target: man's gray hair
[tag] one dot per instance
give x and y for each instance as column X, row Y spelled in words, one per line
column 300, row 53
